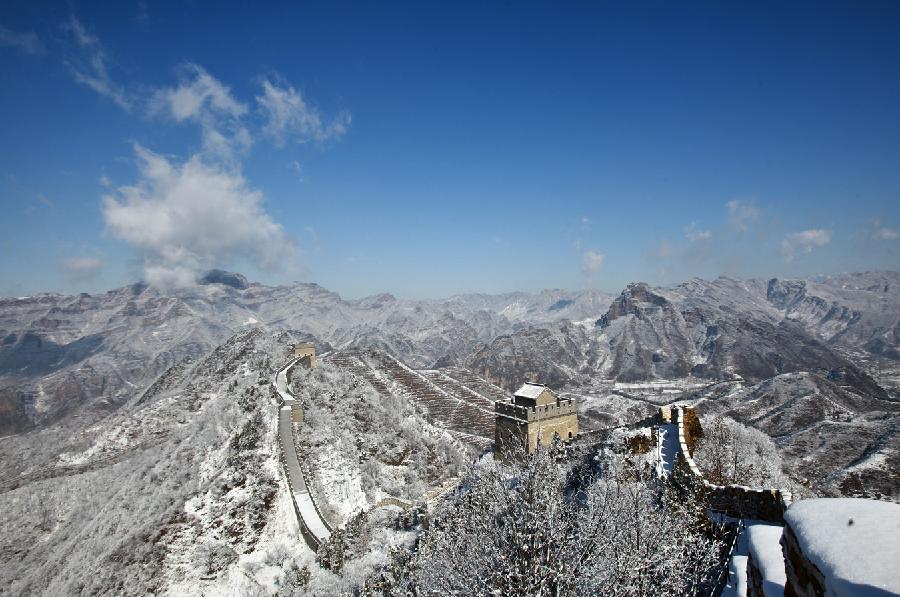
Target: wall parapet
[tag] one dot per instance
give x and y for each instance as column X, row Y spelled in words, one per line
column 739, row 501
column 564, row 406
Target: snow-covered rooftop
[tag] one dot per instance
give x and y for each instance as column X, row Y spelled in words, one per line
column 530, row 390
column 855, row 543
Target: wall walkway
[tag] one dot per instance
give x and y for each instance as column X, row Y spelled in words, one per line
column 313, row 526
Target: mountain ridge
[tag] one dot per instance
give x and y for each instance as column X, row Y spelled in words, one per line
column 59, row 353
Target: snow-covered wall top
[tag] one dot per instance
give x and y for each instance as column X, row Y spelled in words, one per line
column 854, row 543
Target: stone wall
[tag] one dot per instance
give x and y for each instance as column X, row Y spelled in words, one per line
column 521, row 428
column 755, row 587
column 306, row 352
column 746, row 502
column 735, row 500
column 535, row 413
column 665, row 413
column 290, row 411
column 510, row 437
column 803, row 578
column 689, row 420
column 566, row 427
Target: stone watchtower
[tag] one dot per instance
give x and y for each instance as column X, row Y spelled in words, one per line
column 306, row 352
column 532, row 417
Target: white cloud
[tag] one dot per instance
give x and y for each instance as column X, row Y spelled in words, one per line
column 880, row 232
column 804, row 241
column 80, row 269
column 24, row 42
column 197, row 95
column 289, row 117
column 742, row 215
column 187, row 218
column 201, row 98
column 591, row 261
column 693, row 234
column 88, row 65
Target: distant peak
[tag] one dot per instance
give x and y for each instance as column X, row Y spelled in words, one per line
column 218, row 276
column 377, row 300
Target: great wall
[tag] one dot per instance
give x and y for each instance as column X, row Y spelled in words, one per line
column 313, row 526
column 737, row 501
column 434, row 401
column 766, row 555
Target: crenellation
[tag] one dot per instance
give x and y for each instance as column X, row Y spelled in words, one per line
column 533, row 417
column 306, row 353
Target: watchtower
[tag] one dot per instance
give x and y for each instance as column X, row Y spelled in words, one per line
column 534, row 416
column 306, row 352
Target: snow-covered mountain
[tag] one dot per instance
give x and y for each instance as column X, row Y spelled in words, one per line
column 181, row 492
column 89, row 353
column 123, row 414
column 835, row 439
column 716, row 329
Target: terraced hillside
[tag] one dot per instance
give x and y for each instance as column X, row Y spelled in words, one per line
column 453, row 398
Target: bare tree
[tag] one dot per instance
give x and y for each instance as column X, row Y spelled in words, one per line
column 732, row 453
column 533, row 531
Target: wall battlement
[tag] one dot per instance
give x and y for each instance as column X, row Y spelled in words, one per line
column 533, row 417
column 535, row 413
column 306, row 352
column 739, row 501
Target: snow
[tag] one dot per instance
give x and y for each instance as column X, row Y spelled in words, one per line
column 765, row 548
column 530, row 390
column 874, row 460
column 310, row 515
column 515, row 310
column 341, row 483
column 250, row 321
column 281, row 382
column 762, row 539
column 736, row 585
column 262, row 567
column 658, row 384
column 302, row 498
column 853, row 542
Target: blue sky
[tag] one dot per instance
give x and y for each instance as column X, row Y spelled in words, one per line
column 429, row 149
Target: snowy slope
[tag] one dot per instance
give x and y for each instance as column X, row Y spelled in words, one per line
column 716, row 329
column 88, row 353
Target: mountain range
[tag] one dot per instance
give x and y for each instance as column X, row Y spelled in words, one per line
column 87, row 353
column 119, row 411
column 720, row 329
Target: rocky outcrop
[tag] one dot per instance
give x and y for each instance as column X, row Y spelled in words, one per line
column 638, row 300
column 218, row 276
column 713, row 330
column 548, row 356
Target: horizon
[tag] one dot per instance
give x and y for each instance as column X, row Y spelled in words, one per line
column 343, row 297
column 432, row 153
